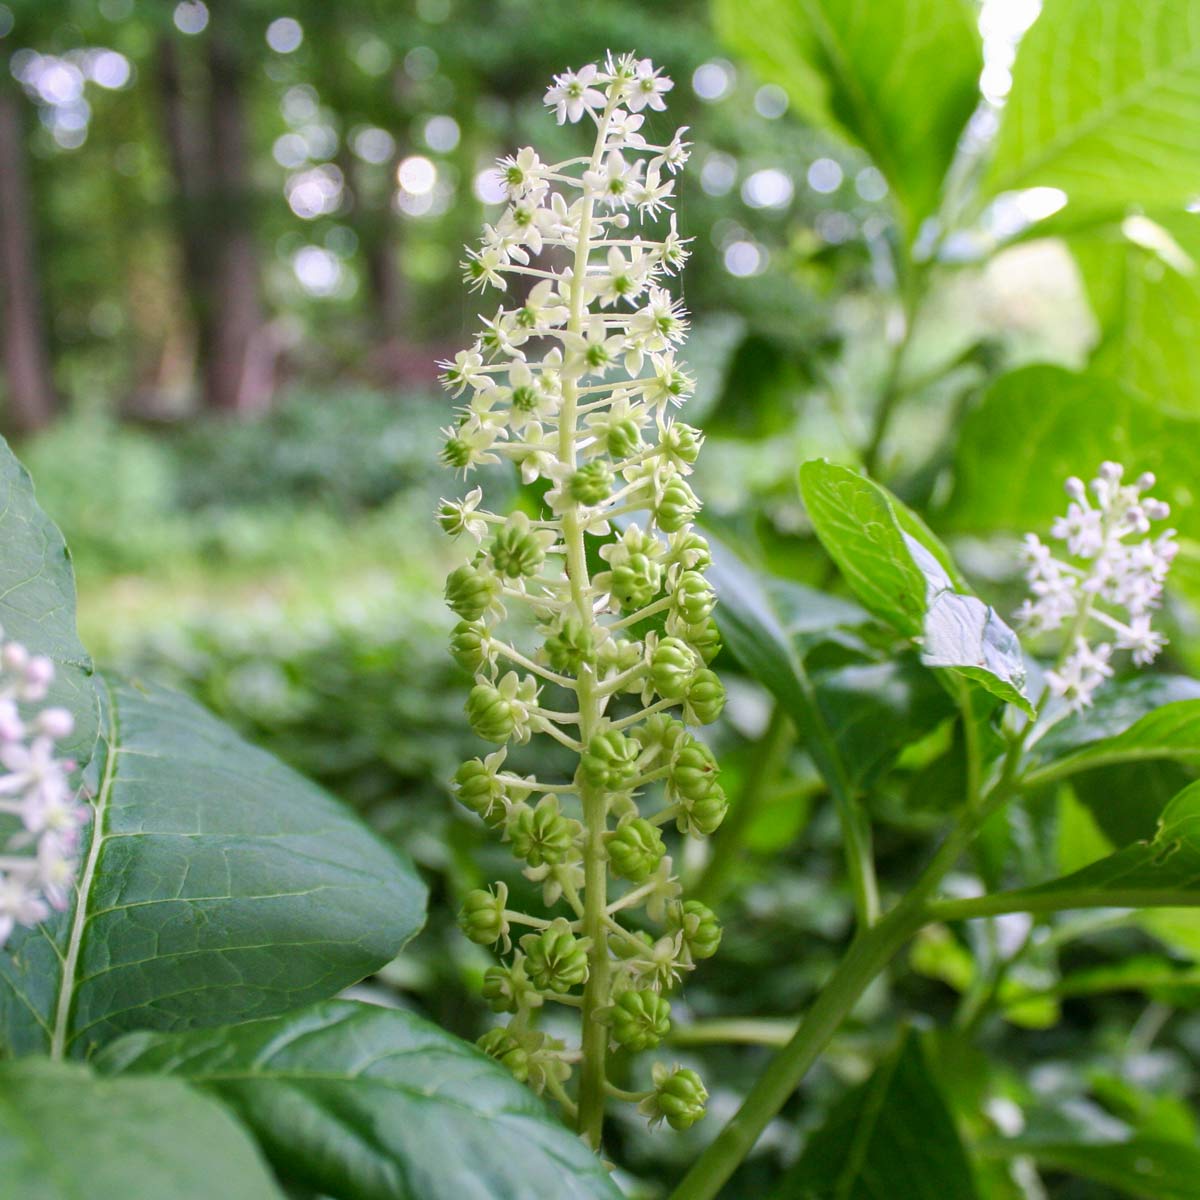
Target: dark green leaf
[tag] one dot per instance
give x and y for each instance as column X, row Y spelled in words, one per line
column 370, row 1103
column 899, row 80
column 893, row 1136
column 218, row 886
column 64, row 1134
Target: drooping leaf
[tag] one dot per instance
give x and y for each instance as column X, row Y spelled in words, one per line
column 66, row 1134
column 900, row 80
column 1038, row 425
column 217, row 885
column 369, row 1103
column 1105, row 104
column 904, row 575
column 37, row 600
column 892, row 1136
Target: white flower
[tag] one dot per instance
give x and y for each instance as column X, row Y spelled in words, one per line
column 572, row 94
column 648, row 88
column 1081, row 673
column 615, row 181
column 674, row 155
column 621, row 278
column 524, row 174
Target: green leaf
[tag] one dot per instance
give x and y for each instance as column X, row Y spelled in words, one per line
column 893, row 1136
column 1105, row 104
column 64, row 1134
column 370, row 1103
column 1039, row 425
column 217, row 885
column 1148, row 1167
column 905, row 576
column 899, row 80
column 37, row 600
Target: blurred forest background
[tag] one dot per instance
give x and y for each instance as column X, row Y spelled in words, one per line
column 229, row 246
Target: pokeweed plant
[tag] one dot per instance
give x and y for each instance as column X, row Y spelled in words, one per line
column 576, row 384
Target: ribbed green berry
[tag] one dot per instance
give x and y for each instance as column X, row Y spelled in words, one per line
column 664, row 731
column 469, row 591
column 636, row 581
column 479, row 790
column 703, row 817
column 676, row 506
column 705, row 698
column 618, row 654
column 691, row 549
column 591, row 483
column 571, row 646
column 506, row 989
column 693, row 597
column 555, row 959
column 681, row 442
column 468, row 645
column 699, row 925
column 490, row 713
column 681, row 1098
column 694, row 771
column 505, row 1049
column 705, row 639
column 456, row 453
column 609, row 761
column 623, row 438
column 517, row 552
column 542, row 834
column 482, row 916
column 635, row 848
column 672, row 666
column 640, row 1020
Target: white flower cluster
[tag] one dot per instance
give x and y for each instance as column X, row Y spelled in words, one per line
column 575, row 382
column 1114, row 579
column 40, row 859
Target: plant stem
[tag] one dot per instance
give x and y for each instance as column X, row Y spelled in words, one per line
column 594, row 1036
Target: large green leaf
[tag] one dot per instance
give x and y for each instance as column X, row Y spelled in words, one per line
column 1039, row 425
column 37, row 599
column 369, row 1103
column 64, row 1135
column 899, row 80
column 217, row 885
column 904, row 575
column 892, row 1136
column 1105, row 104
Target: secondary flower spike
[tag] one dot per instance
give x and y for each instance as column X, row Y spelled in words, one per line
column 1111, row 577
column 575, row 381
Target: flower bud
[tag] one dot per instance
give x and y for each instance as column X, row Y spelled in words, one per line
column 571, row 646
column 479, row 790
column 679, row 1097
column 470, row 591
column 699, row 925
column 636, row 581
column 610, row 761
column 592, row 483
column 491, row 714
column 693, row 597
column 635, row 848
column 542, row 834
column 672, row 666
column 468, row 645
column 506, row 1050
column 482, row 916
column 705, row 698
column 676, row 506
column 556, row 959
column 640, row 1020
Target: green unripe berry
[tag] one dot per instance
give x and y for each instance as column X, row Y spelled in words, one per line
column 705, row 639
column 517, row 552
column 591, row 483
column 542, row 835
column 672, row 666
column 618, row 654
column 480, row 791
column 705, row 698
column 506, row 1050
column 490, row 713
column 681, row 1098
column 694, row 771
column 693, row 598
column 571, row 646
column 482, row 916
column 556, row 959
column 625, row 948
column 663, row 731
column 691, row 549
column 636, row 581
column 470, row 591
column 610, row 761
column 700, row 928
column 623, row 438
column 640, row 1020
column 703, row 817
column 681, row 442
column 468, row 645
column 456, row 453
column 635, row 848
column 676, row 506
column 506, row 989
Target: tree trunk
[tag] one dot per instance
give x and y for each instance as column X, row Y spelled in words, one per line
column 32, row 401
